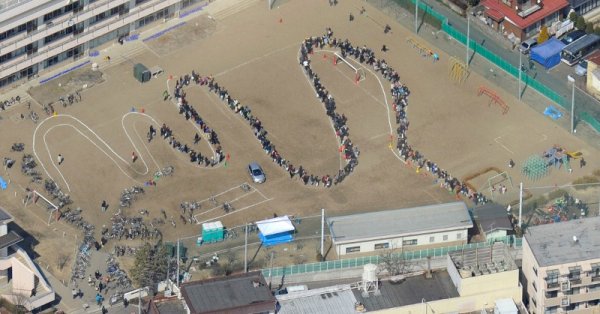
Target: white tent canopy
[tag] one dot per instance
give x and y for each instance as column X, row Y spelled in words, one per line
column 276, row 225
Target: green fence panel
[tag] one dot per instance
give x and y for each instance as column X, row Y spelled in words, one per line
column 590, row 120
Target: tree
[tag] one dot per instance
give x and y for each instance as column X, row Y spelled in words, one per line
column 580, row 23
column 394, row 263
column 543, row 35
column 573, row 17
column 150, row 265
column 589, row 27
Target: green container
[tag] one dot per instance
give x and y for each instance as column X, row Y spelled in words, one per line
column 141, row 73
column 212, row 232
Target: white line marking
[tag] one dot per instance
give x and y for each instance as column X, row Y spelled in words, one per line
column 236, row 211
column 499, row 143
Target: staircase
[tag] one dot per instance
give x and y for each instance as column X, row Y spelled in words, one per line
column 222, row 9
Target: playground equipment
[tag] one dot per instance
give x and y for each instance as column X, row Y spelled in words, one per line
column 457, row 70
column 535, row 167
column 494, row 98
column 424, row 50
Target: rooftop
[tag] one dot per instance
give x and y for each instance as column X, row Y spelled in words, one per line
column 228, row 293
column 328, row 300
column 594, row 57
column 407, row 221
column 9, row 239
column 553, row 244
column 483, row 261
column 411, row 291
column 166, row 306
column 492, row 217
column 498, row 10
column 5, row 217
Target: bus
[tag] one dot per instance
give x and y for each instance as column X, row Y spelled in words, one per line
column 579, row 49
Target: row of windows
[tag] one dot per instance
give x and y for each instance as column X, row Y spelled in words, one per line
column 121, row 9
column 29, row 26
column 409, row 242
column 75, row 7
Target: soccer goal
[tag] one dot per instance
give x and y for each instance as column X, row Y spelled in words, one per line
column 497, row 181
column 359, row 73
column 42, row 201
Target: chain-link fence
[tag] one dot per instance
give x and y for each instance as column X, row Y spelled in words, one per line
column 587, row 108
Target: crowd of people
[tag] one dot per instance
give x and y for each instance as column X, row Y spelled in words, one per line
column 400, row 94
column 189, row 112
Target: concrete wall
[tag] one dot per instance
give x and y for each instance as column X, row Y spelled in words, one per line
column 460, row 304
column 455, row 237
column 583, row 294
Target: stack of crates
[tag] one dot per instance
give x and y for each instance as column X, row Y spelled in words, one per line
column 212, row 232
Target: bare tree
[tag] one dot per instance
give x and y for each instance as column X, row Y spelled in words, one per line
column 393, row 261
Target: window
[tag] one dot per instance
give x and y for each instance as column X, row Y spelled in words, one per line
column 459, row 236
column 353, row 249
column 534, row 286
column 445, row 238
column 431, row 239
column 575, row 274
column 380, row 246
column 595, row 272
column 409, row 242
column 551, row 310
column 552, row 278
column 535, row 271
column 533, row 300
column 551, row 294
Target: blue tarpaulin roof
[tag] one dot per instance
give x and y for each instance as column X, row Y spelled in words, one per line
column 548, row 53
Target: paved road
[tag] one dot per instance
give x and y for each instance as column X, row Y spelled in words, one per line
column 556, row 78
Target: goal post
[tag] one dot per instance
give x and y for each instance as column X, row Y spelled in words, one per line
column 359, row 73
column 498, row 179
column 52, row 208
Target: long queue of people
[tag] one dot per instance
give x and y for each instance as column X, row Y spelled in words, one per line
column 400, row 95
column 186, row 110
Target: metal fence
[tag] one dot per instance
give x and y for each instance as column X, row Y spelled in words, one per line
column 374, row 259
column 434, row 18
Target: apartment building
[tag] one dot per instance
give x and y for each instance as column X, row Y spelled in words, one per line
column 561, row 266
column 38, row 34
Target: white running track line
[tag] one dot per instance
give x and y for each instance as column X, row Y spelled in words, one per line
column 235, row 211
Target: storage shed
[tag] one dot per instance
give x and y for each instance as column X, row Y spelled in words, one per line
column 141, row 73
column 275, row 231
column 212, row 232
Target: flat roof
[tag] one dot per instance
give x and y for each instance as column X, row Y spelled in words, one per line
column 553, row 244
column 9, row 239
column 399, row 222
column 329, row 300
column 228, row 293
column 5, row 216
column 411, row 291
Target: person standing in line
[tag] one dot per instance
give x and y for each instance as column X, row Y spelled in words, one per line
column 133, row 157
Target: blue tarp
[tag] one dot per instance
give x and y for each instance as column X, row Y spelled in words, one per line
column 277, row 238
column 553, row 113
column 548, row 53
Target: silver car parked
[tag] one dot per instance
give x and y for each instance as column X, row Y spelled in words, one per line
column 256, row 173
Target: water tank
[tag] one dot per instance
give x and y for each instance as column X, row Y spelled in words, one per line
column 370, row 273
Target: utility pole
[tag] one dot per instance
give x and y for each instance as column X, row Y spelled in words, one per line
column 322, row 231
column 246, row 250
column 416, row 16
column 468, row 37
column 271, row 270
column 520, row 204
column 572, row 81
column 520, row 70
column 178, row 262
